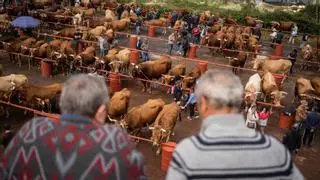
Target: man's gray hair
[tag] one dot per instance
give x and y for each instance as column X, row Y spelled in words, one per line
column 221, row 88
column 83, row 94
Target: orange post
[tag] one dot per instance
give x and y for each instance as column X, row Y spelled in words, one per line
column 134, row 57
column 152, row 31
column 46, row 69
column 133, row 41
column 166, row 156
column 203, row 66
column 192, row 51
column 278, row 50
column 115, row 83
column 285, row 122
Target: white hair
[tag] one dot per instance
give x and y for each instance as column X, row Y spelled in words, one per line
column 83, row 94
column 221, row 89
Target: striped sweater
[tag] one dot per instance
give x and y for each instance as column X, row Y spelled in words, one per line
column 226, row 149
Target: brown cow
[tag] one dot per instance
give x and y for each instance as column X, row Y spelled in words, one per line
column 174, row 73
column 118, row 25
column 280, row 66
column 87, row 57
column 270, row 89
column 66, row 32
column 307, row 54
column 164, row 125
column 162, row 22
column 26, row 44
column 252, row 89
column 238, row 61
column 151, row 70
column 119, row 104
column 143, row 115
column 121, row 61
column 189, row 80
column 251, row 21
column 316, row 84
column 303, row 87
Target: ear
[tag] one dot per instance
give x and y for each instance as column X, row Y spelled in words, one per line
column 101, row 114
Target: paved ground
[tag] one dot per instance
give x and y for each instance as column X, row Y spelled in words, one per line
column 307, row 159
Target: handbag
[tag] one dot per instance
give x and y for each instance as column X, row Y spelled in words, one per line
column 251, row 125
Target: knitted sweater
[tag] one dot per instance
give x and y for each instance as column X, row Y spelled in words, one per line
column 75, row 148
column 226, row 149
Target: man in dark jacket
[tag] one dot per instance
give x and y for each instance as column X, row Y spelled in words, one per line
column 292, row 139
column 293, row 58
column 120, row 9
column 79, row 146
column 311, row 124
column 185, row 46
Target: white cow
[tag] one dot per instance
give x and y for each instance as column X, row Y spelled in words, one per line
column 252, row 89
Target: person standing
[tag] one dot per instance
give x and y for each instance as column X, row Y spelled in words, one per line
column 196, row 34
column 177, row 92
column 252, row 117
column 120, row 10
column 305, row 38
column 294, row 34
column 145, row 49
column 138, row 26
column 279, row 37
column 263, row 118
column 102, row 42
column 292, row 139
column 171, row 40
column 185, row 47
column 293, row 58
column 311, row 124
column 139, row 44
column 79, row 146
column 191, row 104
column 225, row 148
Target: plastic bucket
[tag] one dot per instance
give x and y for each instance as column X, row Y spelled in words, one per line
column 203, row 66
column 285, row 122
column 192, row 51
column 134, row 57
column 152, row 31
column 133, row 41
column 166, row 157
column 46, row 69
column 278, row 50
column 115, row 83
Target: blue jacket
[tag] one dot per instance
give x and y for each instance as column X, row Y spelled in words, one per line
column 312, row 121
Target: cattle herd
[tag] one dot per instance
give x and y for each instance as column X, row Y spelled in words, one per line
column 155, row 113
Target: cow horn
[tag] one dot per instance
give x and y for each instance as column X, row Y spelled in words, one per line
column 151, row 128
column 112, row 120
column 228, row 57
column 163, row 130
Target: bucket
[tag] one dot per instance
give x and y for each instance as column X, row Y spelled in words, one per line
column 133, row 41
column 169, row 144
column 166, row 157
column 134, row 57
column 115, row 83
column 203, row 66
column 151, row 31
column 285, row 122
column 192, row 51
column 46, row 69
column 278, row 50
column 279, row 79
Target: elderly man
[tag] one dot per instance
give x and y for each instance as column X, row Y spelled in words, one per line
column 80, row 146
column 225, row 148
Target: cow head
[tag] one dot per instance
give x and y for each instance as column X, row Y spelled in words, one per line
column 158, row 135
column 115, row 65
column 187, row 82
column 257, row 64
column 167, row 79
column 277, row 96
column 134, row 70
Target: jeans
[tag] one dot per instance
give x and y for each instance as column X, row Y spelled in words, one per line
column 293, row 62
column 145, row 56
column 191, row 110
column 102, row 52
column 170, row 47
column 138, row 30
column 308, row 136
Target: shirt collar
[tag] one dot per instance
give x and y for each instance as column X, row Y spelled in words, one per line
column 230, row 120
column 75, row 118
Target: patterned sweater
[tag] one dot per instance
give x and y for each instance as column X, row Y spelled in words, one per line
column 75, row 149
column 226, row 149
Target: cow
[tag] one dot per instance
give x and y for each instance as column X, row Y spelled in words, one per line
column 109, row 15
column 38, row 96
column 238, row 62
column 66, row 32
column 20, row 80
column 316, row 84
column 164, row 125
column 230, row 20
column 270, row 89
column 189, row 80
column 253, row 44
column 142, row 116
column 151, row 70
column 252, row 89
column 174, row 74
column 118, row 25
column 303, row 87
column 13, row 47
column 280, row 66
column 162, row 22
column 119, row 104
column 6, row 89
column 252, row 21
column 87, row 57
column 122, row 61
column 215, row 28
column 98, row 31
column 286, row 26
column 67, row 53
column 26, row 44
column 307, row 54
column 229, row 41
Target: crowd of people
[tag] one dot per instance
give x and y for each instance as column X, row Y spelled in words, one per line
column 82, row 141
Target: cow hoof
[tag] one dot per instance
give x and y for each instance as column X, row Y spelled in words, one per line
column 158, row 152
